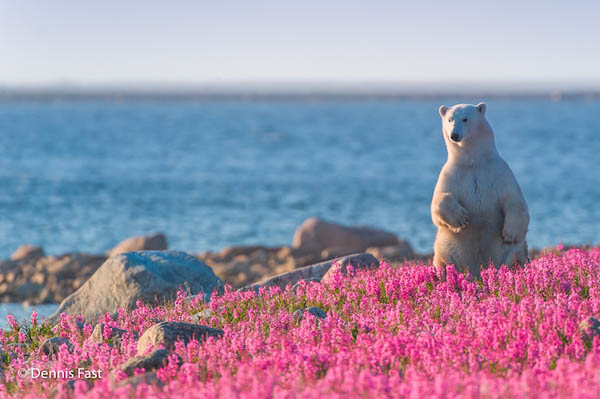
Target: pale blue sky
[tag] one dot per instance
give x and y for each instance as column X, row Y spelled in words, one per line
column 342, row 40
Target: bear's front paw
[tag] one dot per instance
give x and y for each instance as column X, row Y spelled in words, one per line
column 512, row 235
column 458, row 220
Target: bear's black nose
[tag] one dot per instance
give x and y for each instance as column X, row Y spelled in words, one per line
column 455, row 137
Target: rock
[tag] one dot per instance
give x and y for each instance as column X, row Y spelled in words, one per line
column 203, row 315
column 80, row 325
column 394, row 253
column 155, row 242
column 7, row 266
column 27, row 252
column 150, row 276
column 52, row 345
column 72, row 265
column 231, row 252
column 10, row 277
column 38, row 278
column 313, row 310
column 331, row 253
column 316, row 272
column 44, row 297
column 590, row 326
column 116, row 334
column 359, row 261
column 28, row 290
column 284, row 253
column 167, row 333
column 146, row 378
column 317, row 235
column 151, row 362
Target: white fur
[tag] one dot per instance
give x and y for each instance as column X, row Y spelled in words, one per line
column 477, row 204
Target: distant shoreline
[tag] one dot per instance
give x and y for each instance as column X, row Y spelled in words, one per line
column 309, row 94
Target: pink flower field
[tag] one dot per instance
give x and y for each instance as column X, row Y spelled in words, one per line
column 405, row 332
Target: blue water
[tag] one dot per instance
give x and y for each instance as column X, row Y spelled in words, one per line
column 82, row 176
column 23, row 313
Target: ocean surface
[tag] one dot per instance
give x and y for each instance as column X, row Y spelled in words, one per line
column 82, row 176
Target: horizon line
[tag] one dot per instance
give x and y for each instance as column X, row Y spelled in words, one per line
column 251, row 90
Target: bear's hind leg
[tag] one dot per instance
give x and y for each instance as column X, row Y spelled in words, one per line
column 516, row 255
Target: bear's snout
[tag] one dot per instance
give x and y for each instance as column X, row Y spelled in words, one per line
column 455, row 137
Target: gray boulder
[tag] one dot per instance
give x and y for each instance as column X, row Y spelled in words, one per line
column 167, row 333
column 150, row 276
column 154, row 242
column 317, row 272
column 317, row 235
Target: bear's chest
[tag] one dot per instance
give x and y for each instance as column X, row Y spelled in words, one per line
column 478, row 192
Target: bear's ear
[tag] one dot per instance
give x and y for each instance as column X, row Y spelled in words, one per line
column 481, row 107
column 443, row 110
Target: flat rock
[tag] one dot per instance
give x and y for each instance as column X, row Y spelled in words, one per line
column 316, row 272
column 150, row 276
column 27, row 252
column 318, row 235
column 167, row 333
column 154, row 242
column 150, row 362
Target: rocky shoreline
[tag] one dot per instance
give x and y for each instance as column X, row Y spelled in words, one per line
column 32, row 277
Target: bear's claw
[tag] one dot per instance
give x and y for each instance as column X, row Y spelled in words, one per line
column 458, row 220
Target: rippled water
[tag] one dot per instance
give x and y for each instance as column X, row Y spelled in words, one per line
column 82, row 176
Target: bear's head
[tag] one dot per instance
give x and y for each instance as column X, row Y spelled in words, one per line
column 466, row 129
column 462, row 121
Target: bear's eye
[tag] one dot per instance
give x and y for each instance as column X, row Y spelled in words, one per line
column 465, row 120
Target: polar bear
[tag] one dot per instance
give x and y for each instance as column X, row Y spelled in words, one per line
column 477, row 204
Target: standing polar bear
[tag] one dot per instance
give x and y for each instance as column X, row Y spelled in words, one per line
column 477, row 204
